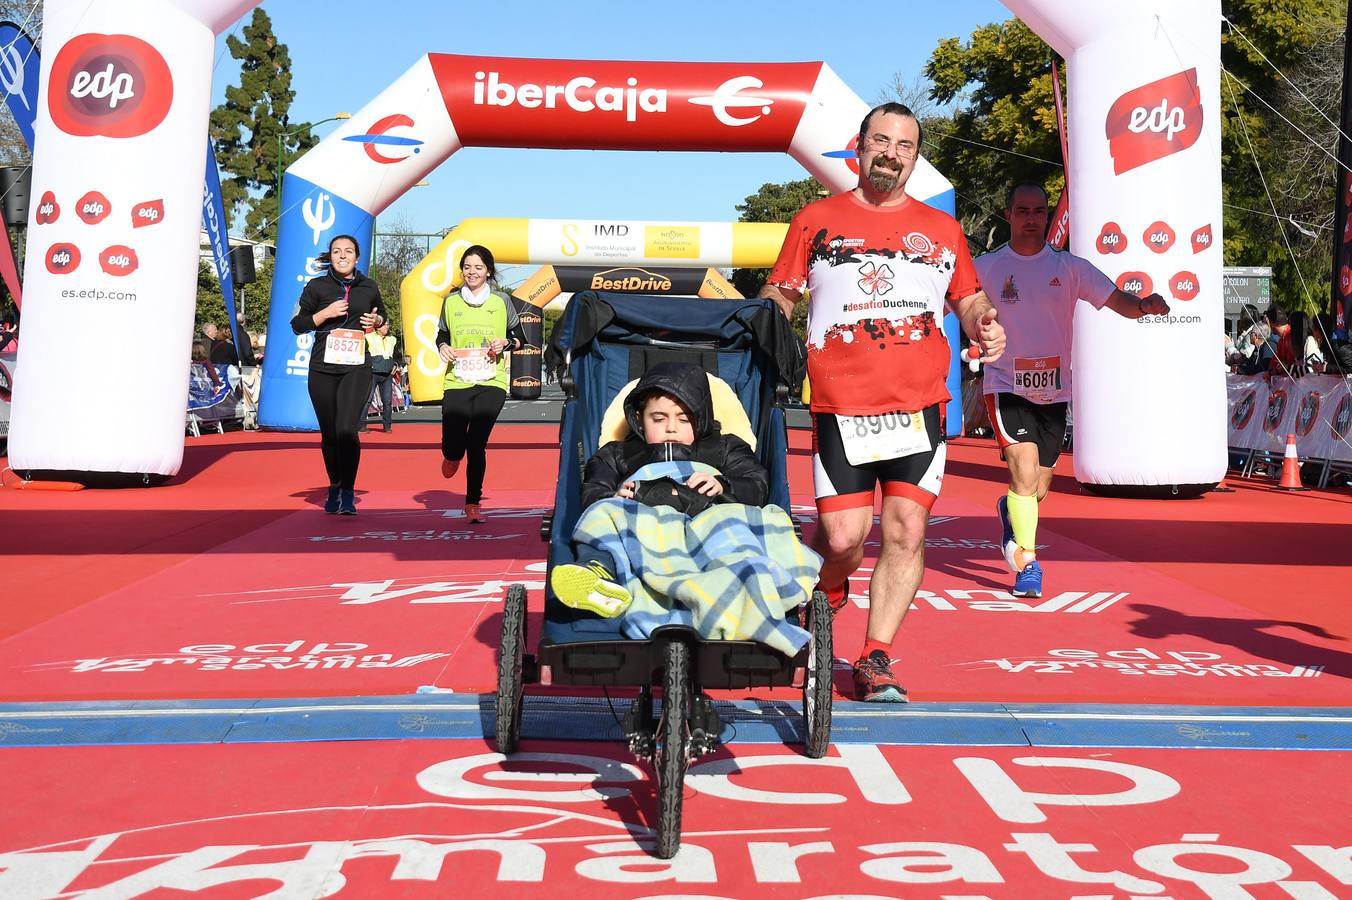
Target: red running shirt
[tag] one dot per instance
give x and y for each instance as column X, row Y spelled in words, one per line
column 876, row 279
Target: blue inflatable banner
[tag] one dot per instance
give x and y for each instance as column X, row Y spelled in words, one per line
column 19, row 71
column 218, row 228
column 315, row 217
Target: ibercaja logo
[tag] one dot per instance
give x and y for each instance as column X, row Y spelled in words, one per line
column 1184, row 286
column 1243, row 411
column 1307, row 413
column 48, row 209
column 118, row 260
column 113, row 85
column 1276, row 406
column 93, row 208
column 1137, row 283
column 149, row 213
column 1154, row 120
column 1111, row 239
column 1159, row 237
column 62, row 259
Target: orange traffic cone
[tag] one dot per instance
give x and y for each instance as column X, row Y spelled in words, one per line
column 1290, row 468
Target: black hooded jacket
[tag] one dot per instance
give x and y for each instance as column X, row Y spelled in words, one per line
column 744, row 479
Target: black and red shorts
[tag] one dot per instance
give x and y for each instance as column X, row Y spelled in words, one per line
column 839, row 484
column 1017, row 420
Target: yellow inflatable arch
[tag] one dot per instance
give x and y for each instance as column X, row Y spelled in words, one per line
column 579, row 242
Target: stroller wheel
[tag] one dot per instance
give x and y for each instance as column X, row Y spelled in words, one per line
column 673, row 738
column 817, row 685
column 511, row 650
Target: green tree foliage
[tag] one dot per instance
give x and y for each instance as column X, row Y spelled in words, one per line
column 398, row 249
column 774, row 203
column 1003, row 130
column 211, row 302
column 1267, row 162
column 247, row 126
column 1001, row 81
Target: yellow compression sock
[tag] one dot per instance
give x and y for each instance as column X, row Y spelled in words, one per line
column 1023, row 519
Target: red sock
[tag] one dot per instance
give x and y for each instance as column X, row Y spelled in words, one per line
column 870, row 646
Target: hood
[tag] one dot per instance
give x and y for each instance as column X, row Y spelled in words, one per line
column 687, row 383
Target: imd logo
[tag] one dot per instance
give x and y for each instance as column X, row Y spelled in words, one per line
column 112, row 85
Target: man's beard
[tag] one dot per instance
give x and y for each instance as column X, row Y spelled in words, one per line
column 883, row 180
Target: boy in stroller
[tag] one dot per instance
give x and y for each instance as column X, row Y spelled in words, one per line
column 641, row 530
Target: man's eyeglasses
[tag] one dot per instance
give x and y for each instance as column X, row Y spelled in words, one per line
column 879, row 143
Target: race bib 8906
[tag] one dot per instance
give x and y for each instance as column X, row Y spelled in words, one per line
column 892, row 435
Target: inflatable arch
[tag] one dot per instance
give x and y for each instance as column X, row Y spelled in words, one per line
column 121, row 122
column 446, row 102
column 549, row 242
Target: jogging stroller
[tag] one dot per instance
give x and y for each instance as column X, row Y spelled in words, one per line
column 603, row 342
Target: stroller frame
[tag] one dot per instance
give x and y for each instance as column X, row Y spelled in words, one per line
column 581, row 649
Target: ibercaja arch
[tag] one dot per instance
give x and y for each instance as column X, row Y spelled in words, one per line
column 1144, row 91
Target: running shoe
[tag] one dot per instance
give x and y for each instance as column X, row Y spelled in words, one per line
column 590, row 587
column 347, row 502
column 874, row 681
column 331, row 504
column 1008, row 546
column 474, row 514
column 836, row 598
column 449, row 467
column 1028, row 583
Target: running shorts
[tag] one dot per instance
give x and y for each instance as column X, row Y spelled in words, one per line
column 840, row 485
column 1017, row 420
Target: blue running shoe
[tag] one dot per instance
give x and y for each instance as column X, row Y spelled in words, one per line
column 1008, row 546
column 1028, row 583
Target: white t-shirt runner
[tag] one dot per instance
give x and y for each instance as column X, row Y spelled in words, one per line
column 1035, row 298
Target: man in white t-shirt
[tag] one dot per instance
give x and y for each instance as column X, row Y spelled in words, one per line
column 1035, row 289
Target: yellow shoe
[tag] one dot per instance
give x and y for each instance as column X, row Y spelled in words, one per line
column 590, row 587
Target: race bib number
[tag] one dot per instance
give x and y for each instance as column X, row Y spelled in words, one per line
column 472, row 364
column 1037, row 378
column 869, row 439
column 345, row 347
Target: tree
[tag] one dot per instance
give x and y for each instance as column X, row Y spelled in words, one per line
column 257, row 297
column 398, row 248
column 773, row 203
column 1266, row 160
column 1001, row 81
column 248, row 126
column 1004, row 131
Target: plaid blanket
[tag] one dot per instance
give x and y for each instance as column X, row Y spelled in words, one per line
column 733, row 570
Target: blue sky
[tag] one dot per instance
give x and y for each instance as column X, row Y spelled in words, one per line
column 344, row 53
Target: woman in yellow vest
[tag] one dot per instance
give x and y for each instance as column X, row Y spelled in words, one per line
column 477, row 325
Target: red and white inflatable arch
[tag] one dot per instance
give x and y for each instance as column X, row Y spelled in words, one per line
column 124, row 102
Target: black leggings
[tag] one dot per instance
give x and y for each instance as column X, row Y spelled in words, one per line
column 338, row 400
column 467, row 419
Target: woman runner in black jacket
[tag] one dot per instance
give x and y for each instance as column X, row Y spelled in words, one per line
column 339, row 306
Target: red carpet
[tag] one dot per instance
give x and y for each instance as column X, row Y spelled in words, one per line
column 229, row 582
column 451, row 818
